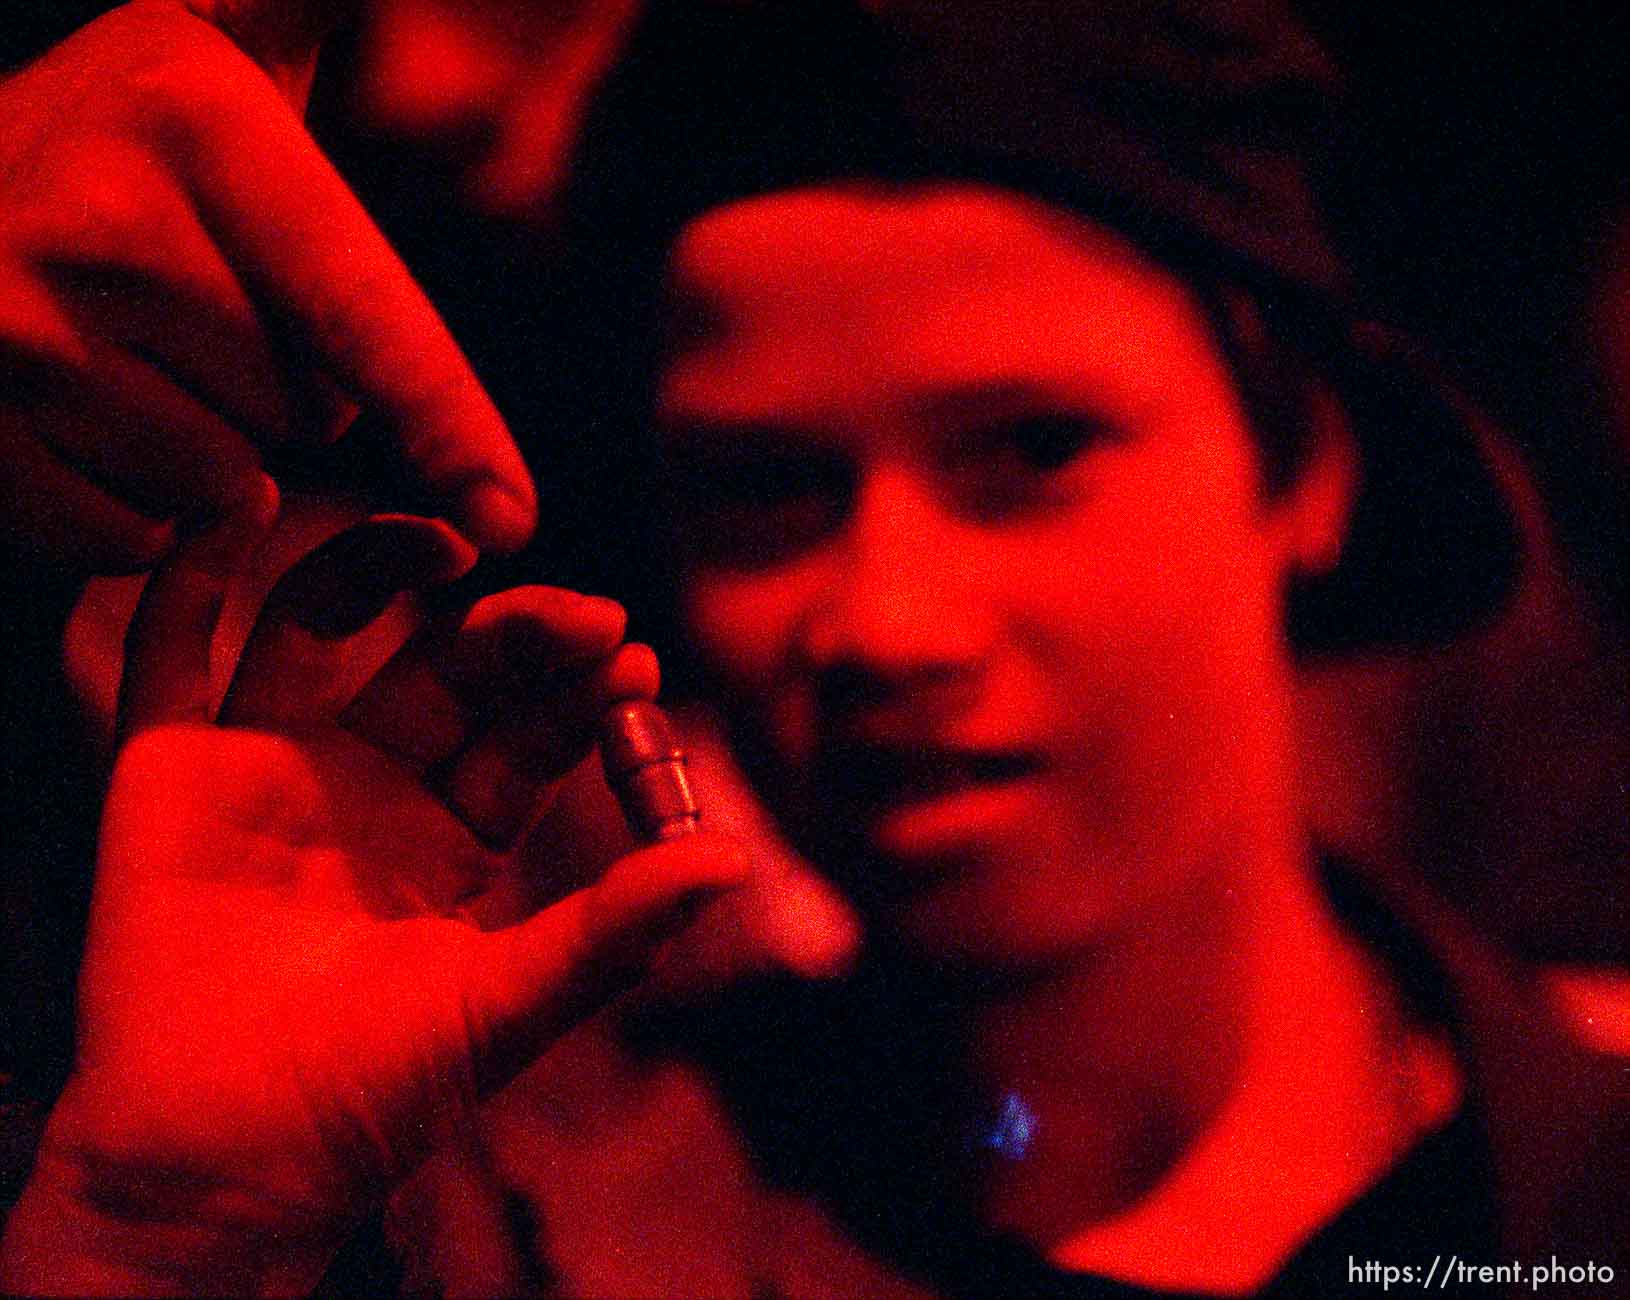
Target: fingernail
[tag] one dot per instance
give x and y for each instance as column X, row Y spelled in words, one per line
column 596, row 624
column 497, row 518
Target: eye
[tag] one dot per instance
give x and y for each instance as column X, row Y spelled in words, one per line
column 1021, row 464
column 749, row 507
column 1047, row 442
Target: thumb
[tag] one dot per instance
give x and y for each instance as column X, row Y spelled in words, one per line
column 536, row 980
column 786, row 920
column 789, row 918
column 283, row 36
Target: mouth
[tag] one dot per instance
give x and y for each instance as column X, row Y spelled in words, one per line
column 912, row 800
column 888, row 775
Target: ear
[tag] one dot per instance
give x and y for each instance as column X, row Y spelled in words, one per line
column 1313, row 512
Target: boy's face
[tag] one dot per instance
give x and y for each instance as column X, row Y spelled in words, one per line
column 975, row 554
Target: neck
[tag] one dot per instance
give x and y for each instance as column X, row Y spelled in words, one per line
column 1244, row 1033
column 1125, row 1055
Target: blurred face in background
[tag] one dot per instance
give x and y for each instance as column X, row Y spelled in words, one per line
column 497, row 89
column 977, row 560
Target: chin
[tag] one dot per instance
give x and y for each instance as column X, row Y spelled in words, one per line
column 987, row 928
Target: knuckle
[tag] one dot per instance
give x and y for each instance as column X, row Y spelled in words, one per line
column 196, row 96
column 173, row 103
column 184, row 71
column 116, row 213
column 110, row 206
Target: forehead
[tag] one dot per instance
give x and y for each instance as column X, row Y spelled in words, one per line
column 852, row 292
column 957, row 216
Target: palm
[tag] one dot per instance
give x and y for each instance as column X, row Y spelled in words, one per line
column 304, row 963
column 279, row 986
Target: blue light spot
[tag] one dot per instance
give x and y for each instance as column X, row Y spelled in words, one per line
column 1015, row 1125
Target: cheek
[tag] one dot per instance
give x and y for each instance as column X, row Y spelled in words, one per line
column 745, row 630
column 1158, row 632
column 1165, row 552
column 741, row 625
column 1167, row 641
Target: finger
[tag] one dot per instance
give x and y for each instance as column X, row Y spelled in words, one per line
column 785, row 920
column 500, row 783
column 166, row 671
column 303, row 242
column 52, row 510
column 789, row 918
column 172, row 300
column 408, row 710
column 150, row 443
column 310, row 650
column 508, row 638
column 804, row 925
column 546, row 974
column 427, row 702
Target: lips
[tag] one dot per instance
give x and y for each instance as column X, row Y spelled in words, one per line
column 875, row 780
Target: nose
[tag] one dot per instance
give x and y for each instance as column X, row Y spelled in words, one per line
column 905, row 604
